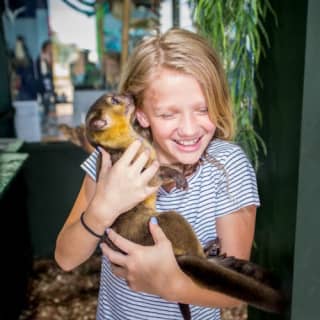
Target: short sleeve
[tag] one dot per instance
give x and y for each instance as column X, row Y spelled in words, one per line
column 89, row 165
column 237, row 186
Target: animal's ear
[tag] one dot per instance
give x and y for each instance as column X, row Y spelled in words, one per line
column 142, row 118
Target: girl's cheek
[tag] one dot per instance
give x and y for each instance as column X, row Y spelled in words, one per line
column 212, row 127
column 165, row 127
column 209, row 126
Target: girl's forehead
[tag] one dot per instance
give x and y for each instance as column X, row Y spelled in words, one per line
column 170, row 88
column 173, row 93
column 162, row 71
column 168, row 80
column 151, row 94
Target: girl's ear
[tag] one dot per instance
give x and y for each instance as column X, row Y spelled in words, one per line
column 142, row 119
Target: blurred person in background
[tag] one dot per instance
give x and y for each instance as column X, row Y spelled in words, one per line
column 45, row 85
column 22, row 72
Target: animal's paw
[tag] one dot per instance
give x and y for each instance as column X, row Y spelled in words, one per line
column 171, row 174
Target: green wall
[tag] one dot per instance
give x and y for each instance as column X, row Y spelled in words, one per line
column 281, row 100
column 306, row 285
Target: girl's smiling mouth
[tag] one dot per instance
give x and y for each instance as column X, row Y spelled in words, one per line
column 188, row 144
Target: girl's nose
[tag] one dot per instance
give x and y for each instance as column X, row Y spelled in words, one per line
column 187, row 126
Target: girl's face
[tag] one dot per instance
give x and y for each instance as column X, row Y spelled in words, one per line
column 175, row 109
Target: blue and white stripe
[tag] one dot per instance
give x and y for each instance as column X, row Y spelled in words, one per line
column 213, row 192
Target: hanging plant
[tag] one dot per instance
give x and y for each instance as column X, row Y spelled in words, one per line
column 236, row 29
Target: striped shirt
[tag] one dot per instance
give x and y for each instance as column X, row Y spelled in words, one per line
column 214, row 191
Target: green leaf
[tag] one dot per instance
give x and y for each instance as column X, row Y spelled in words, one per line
column 236, row 28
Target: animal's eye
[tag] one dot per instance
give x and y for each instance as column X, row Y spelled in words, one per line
column 114, row 100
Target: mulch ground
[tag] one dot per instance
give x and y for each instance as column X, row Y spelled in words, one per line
column 57, row 295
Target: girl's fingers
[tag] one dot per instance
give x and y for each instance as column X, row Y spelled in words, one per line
column 123, row 244
column 115, row 257
column 104, row 162
column 149, row 173
column 130, row 153
column 157, row 233
column 141, row 161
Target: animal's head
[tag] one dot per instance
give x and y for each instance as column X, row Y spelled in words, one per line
column 108, row 121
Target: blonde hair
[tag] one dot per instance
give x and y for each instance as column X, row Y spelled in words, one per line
column 189, row 53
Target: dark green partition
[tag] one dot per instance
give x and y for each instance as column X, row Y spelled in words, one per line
column 16, row 251
column 281, row 100
column 306, row 284
column 53, row 178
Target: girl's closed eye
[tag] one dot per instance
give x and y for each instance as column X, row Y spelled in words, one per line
column 168, row 115
column 203, row 110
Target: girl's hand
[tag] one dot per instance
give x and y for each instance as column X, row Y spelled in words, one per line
column 151, row 269
column 122, row 186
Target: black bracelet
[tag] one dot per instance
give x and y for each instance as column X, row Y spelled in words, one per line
column 88, row 228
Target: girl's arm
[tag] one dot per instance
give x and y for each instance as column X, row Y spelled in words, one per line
column 154, row 269
column 102, row 203
column 74, row 244
column 236, row 232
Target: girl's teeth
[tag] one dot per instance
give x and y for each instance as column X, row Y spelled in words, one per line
column 187, row 143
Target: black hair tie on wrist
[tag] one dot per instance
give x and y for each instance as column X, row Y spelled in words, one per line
column 88, row 228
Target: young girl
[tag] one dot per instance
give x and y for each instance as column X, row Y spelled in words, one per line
column 181, row 94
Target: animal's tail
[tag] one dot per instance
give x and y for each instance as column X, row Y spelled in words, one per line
column 228, row 275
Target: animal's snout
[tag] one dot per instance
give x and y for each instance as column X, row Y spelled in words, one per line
column 98, row 124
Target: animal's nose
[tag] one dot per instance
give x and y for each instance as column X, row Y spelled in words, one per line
column 97, row 124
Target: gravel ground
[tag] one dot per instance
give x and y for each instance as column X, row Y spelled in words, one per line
column 57, row 295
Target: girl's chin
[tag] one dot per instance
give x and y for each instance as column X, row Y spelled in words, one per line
column 187, row 158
